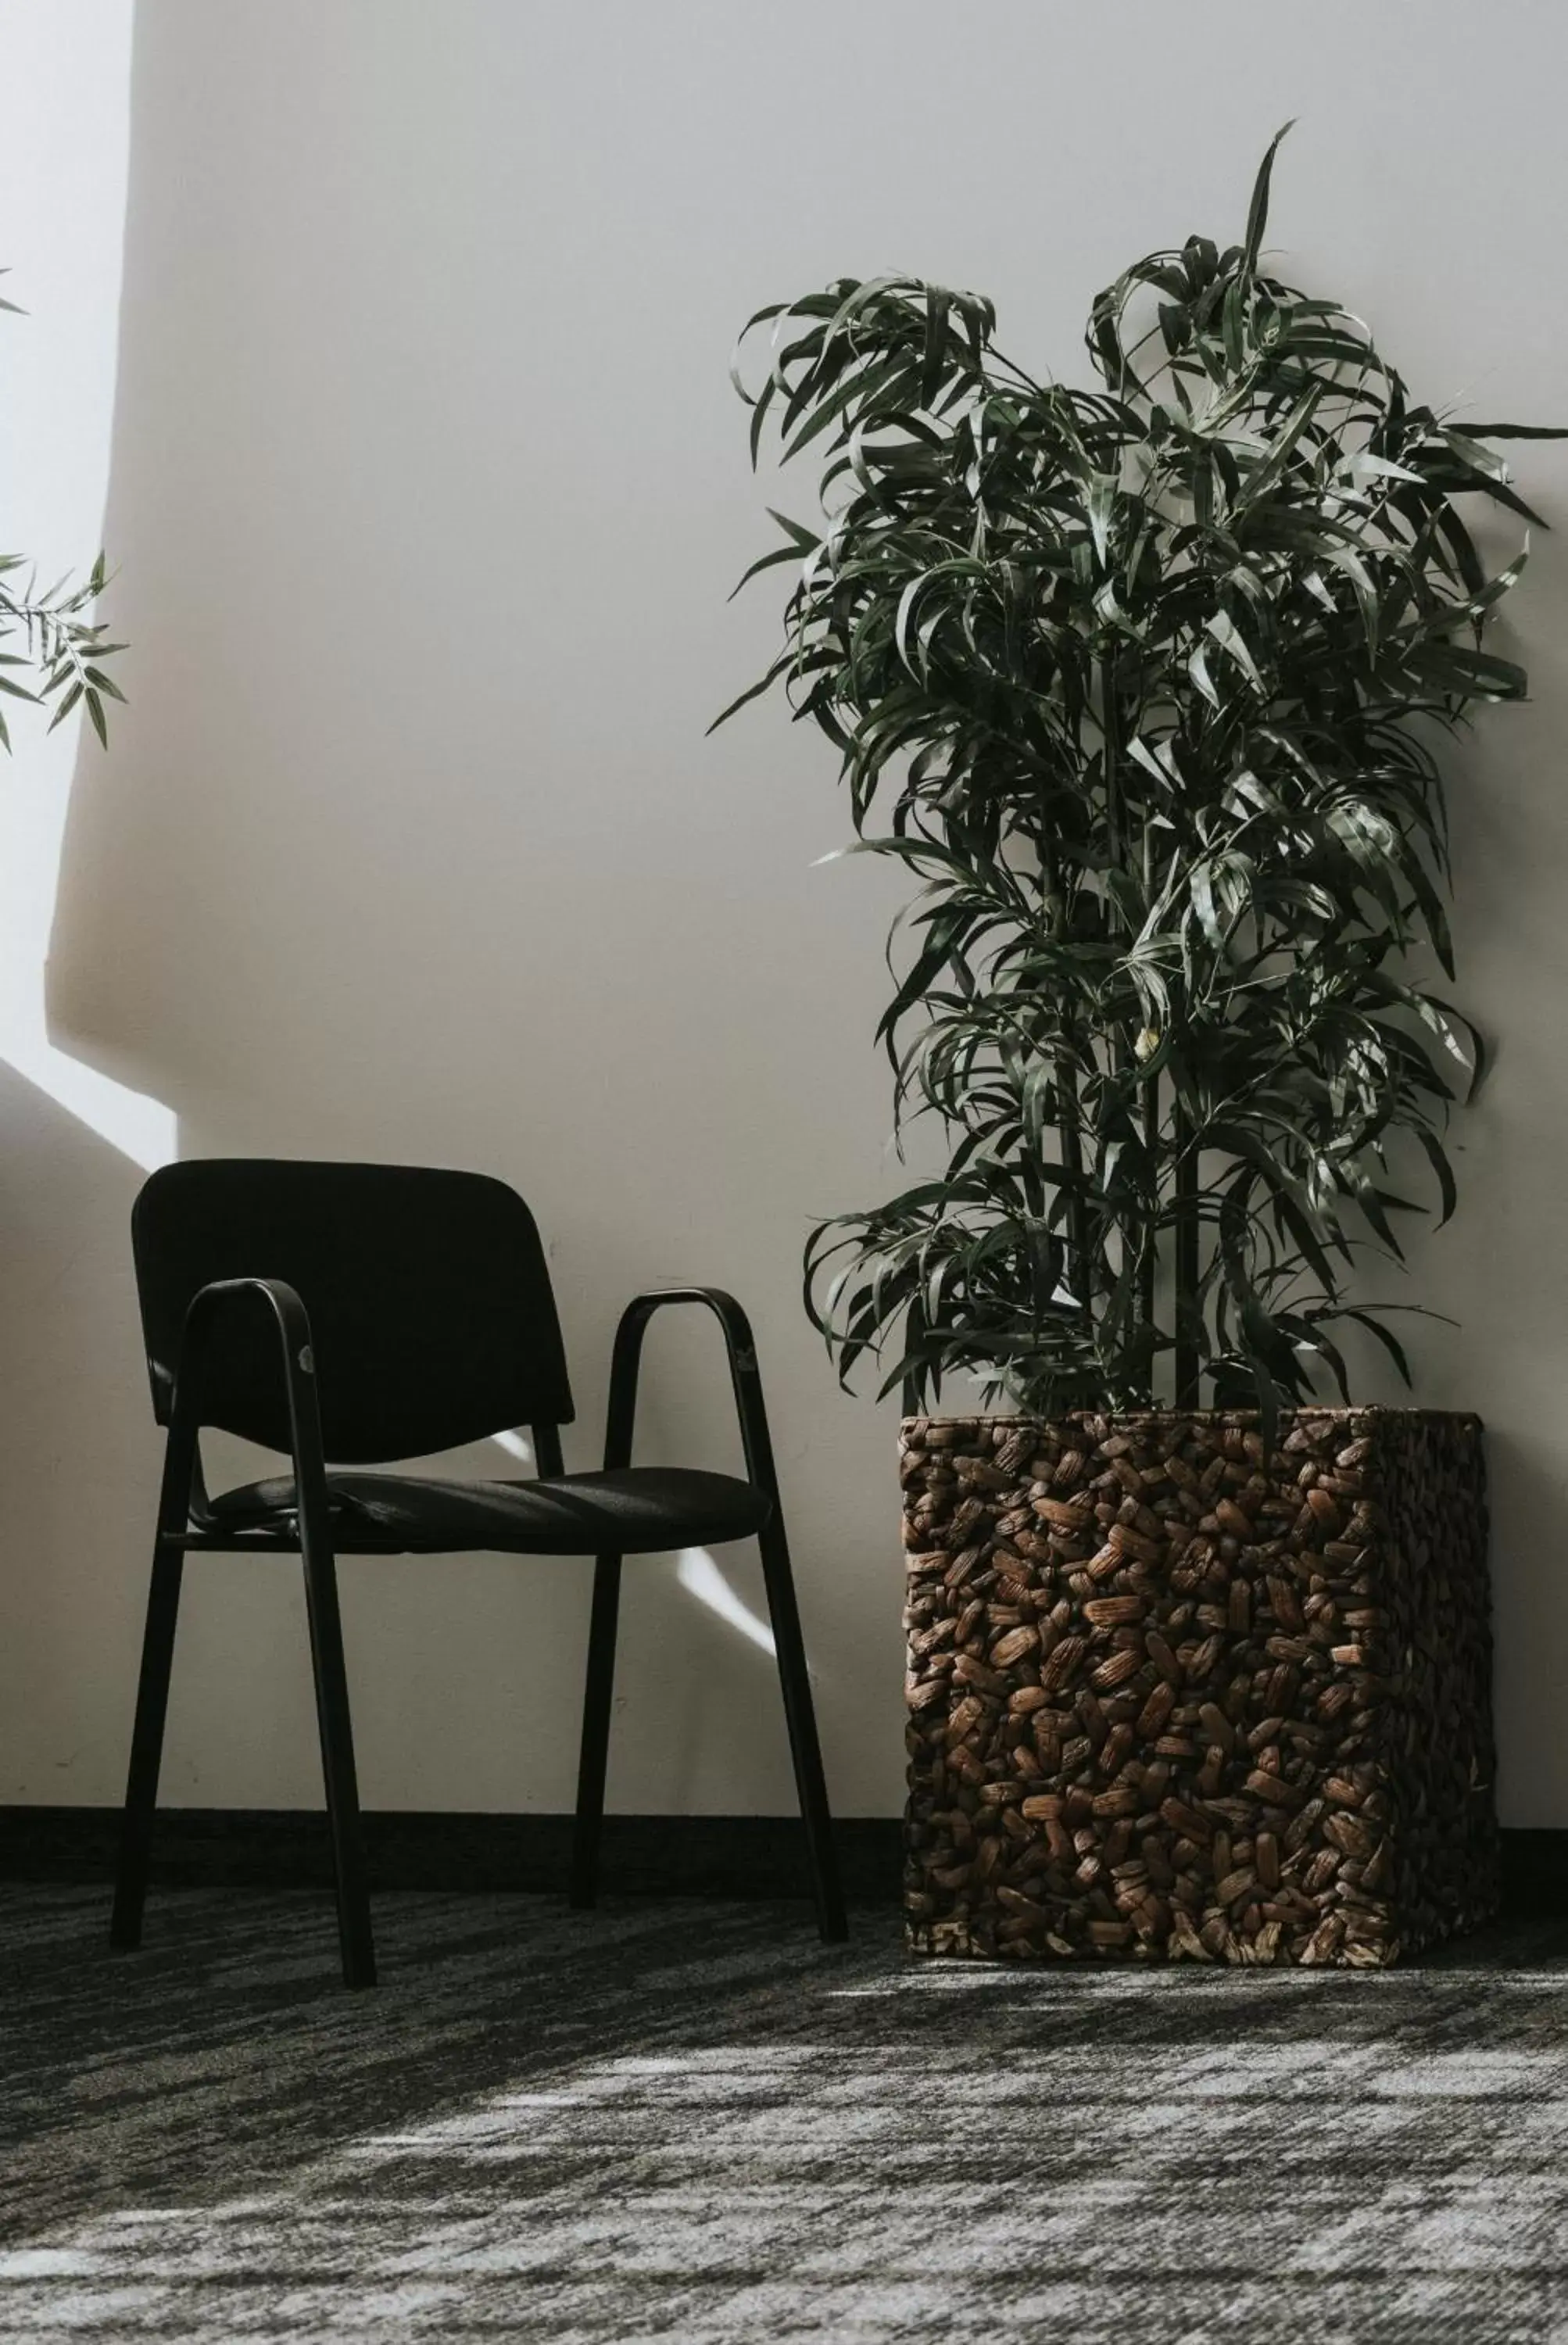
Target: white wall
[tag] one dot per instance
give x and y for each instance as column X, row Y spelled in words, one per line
column 427, row 491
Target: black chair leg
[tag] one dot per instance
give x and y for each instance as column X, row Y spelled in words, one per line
column 800, row 1718
column 337, row 1768
column 146, row 1748
column 593, row 1762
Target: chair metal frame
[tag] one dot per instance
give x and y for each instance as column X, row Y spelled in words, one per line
column 187, row 1526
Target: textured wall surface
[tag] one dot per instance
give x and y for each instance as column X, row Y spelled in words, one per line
column 427, row 487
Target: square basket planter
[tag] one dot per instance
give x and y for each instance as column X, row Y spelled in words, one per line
column 1170, row 1698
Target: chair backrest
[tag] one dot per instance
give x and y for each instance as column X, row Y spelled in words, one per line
column 432, row 1316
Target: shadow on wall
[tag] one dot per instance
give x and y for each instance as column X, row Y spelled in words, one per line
column 78, row 1468
column 377, row 867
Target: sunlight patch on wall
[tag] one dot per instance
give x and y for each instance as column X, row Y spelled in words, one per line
column 701, row 1577
column 141, row 1129
column 61, row 93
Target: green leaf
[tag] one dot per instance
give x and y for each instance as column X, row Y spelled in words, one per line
column 1395, row 1350
column 1516, row 431
column 1099, row 504
column 1229, row 637
column 1438, row 1160
column 781, row 666
column 1257, row 210
column 66, row 707
column 1198, row 668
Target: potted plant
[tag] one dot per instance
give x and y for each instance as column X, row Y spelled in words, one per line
column 1145, row 685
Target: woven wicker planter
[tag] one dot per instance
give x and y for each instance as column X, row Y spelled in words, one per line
column 1169, row 1699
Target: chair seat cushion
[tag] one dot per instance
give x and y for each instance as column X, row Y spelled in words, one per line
column 634, row 1510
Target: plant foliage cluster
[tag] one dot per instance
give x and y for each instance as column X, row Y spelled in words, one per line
column 1142, row 684
column 63, row 649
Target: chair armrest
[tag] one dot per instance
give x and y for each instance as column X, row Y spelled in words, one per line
column 298, row 1366
column 745, row 1380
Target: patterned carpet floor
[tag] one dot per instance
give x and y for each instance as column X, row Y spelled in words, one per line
column 686, row 2120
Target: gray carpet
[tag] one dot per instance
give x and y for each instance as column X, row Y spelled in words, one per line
column 684, row 2120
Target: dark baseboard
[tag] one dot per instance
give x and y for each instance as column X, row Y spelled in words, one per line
column 273, row 1848
column 701, row 1856
column 1535, row 1871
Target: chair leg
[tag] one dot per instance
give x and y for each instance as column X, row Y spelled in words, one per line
column 593, row 1762
column 337, row 1768
column 146, row 1747
column 795, row 1684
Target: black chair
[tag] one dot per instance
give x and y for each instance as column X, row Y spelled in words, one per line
column 367, row 1312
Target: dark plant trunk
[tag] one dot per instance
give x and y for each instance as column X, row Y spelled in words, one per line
column 1148, row 1268
column 1080, row 1268
column 1188, row 1327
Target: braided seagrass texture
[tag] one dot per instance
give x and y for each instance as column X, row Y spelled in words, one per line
column 1169, row 1696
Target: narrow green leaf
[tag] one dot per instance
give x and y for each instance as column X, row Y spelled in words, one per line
column 1198, row 668
column 1257, row 210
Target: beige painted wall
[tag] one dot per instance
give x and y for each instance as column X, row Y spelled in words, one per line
column 427, row 489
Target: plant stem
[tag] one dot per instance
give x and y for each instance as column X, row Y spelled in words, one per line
column 1077, row 1212
column 1187, row 1261
column 1139, row 1231
column 1148, row 1263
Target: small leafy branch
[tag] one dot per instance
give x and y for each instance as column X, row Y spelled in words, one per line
column 1145, row 681
column 63, row 650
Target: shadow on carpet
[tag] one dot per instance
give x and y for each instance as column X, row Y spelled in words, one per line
column 674, row 2120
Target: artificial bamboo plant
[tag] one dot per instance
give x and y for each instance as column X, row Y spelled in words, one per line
column 1142, row 685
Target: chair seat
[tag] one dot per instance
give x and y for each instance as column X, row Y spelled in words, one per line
column 633, row 1510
